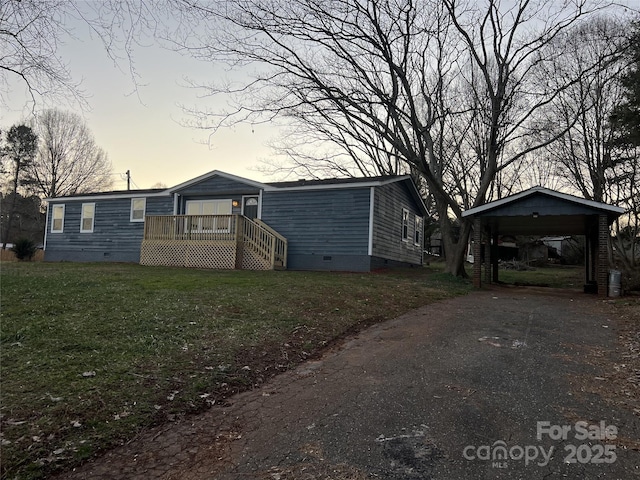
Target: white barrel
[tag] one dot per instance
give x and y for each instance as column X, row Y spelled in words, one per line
column 614, row 283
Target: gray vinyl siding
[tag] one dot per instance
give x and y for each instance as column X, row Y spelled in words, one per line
column 325, row 229
column 389, row 200
column 217, row 186
column 543, row 205
column 114, row 237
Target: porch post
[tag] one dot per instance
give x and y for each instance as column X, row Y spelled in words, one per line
column 477, row 252
column 239, row 240
column 603, row 255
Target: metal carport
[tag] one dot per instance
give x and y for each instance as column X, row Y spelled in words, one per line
column 541, row 211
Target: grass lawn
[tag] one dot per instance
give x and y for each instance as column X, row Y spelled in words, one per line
column 553, row 276
column 92, row 353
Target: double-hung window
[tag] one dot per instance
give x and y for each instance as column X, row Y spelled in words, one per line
column 87, row 217
column 417, row 231
column 138, row 208
column 57, row 219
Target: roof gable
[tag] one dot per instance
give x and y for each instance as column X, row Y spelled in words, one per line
column 214, row 173
column 513, row 204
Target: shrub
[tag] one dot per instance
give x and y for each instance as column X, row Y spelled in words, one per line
column 24, row 249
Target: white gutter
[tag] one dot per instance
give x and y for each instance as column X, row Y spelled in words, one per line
column 175, row 203
column 107, row 196
column 46, row 227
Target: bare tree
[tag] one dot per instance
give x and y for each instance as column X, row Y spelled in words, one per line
column 439, row 88
column 68, row 160
column 584, row 154
column 588, row 159
column 31, row 32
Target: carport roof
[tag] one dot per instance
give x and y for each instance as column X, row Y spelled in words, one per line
column 541, row 211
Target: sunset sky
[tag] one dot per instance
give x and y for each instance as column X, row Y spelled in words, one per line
column 141, row 131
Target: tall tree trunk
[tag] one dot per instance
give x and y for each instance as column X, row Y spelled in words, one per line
column 12, row 209
column 458, row 253
column 454, row 251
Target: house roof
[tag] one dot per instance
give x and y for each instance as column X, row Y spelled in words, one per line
column 302, row 184
column 148, row 192
column 316, row 184
column 472, row 212
column 332, row 181
column 541, row 211
column 350, row 182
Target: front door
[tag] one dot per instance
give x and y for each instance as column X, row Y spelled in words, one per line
column 250, row 207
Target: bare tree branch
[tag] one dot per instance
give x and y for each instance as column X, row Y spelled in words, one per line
column 374, row 86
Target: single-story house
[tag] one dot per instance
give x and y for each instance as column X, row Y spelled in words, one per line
column 219, row 220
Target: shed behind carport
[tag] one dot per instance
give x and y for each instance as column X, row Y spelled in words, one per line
column 541, row 211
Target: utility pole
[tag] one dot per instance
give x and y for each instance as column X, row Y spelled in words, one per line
column 128, row 180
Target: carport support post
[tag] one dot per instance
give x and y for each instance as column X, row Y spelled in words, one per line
column 587, row 257
column 494, row 256
column 603, row 255
column 477, row 252
column 488, row 258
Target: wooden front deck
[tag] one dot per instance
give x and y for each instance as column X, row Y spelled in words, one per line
column 212, row 241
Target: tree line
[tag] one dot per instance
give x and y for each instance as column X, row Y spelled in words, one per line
column 53, row 155
column 475, row 99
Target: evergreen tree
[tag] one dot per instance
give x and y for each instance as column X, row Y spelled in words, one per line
column 17, row 153
column 626, row 115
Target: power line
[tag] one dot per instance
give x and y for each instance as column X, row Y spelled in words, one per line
column 126, row 177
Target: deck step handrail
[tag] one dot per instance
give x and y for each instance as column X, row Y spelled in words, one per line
column 268, row 228
column 266, row 242
column 256, row 235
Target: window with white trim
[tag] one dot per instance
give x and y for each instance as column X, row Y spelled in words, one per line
column 138, row 209
column 57, row 218
column 405, row 225
column 87, row 217
column 417, row 231
column 201, row 224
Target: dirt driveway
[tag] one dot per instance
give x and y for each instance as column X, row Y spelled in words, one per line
column 497, row 384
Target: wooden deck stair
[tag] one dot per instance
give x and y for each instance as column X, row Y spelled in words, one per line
column 212, row 241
